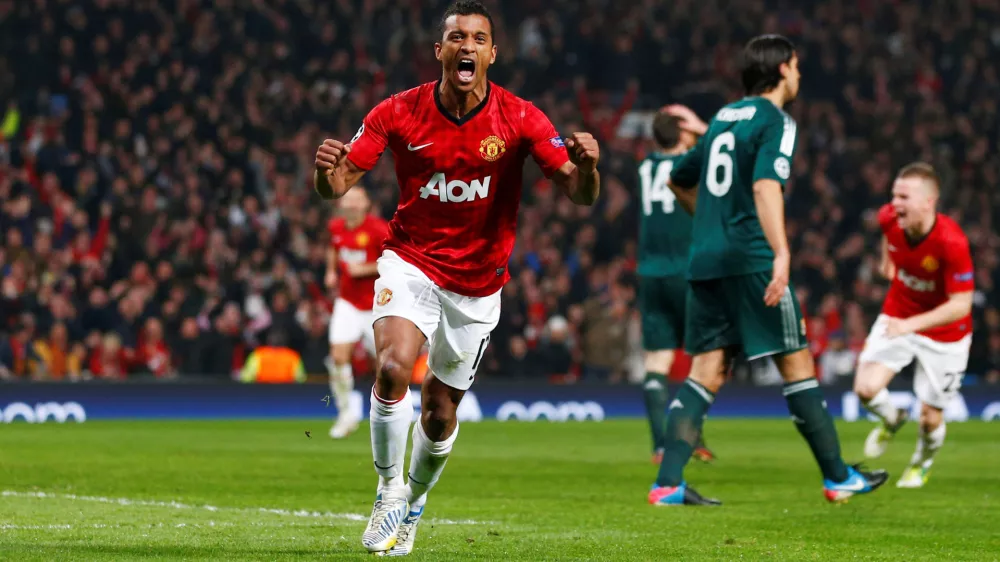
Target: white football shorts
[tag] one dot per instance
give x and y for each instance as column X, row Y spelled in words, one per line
column 457, row 327
column 349, row 325
column 940, row 365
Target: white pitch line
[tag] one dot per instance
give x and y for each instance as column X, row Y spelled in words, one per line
column 174, row 504
column 10, row 526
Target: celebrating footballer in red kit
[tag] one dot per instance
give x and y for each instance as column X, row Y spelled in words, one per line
column 925, row 318
column 459, row 146
column 356, row 239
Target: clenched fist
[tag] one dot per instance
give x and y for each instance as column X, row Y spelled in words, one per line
column 331, row 169
column 583, row 151
column 330, row 155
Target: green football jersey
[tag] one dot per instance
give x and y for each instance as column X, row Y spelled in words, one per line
column 748, row 140
column 664, row 227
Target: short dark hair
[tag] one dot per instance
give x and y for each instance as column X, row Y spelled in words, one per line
column 467, row 8
column 762, row 60
column 666, row 130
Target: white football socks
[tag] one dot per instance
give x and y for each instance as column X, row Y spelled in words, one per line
column 390, row 424
column 427, row 462
column 341, row 385
column 928, row 444
column 881, row 406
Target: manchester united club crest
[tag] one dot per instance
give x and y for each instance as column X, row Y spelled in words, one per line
column 383, row 298
column 492, row 148
column 362, row 239
column 929, row 264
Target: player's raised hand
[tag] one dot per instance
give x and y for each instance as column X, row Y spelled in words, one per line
column 584, row 151
column 779, row 280
column 329, row 157
column 689, row 119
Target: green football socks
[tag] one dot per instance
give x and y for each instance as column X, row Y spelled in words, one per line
column 685, row 417
column 814, row 422
column 654, row 394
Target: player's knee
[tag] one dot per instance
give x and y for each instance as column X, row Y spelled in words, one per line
column 659, row 361
column 709, row 375
column 930, row 418
column 392, row 373
column 796, row 366
column 865, row 388
column 439, row 418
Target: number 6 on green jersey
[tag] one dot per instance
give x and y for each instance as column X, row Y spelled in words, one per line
column 731, row 260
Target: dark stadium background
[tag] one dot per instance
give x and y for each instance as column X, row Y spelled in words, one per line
column 156, row 156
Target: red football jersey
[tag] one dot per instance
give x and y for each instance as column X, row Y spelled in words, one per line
column 459, row 180
column 927, row 271
column 359, row 245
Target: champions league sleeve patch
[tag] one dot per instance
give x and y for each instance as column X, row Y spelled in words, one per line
column 557, row 142
column 357, row 135
column 782, row 167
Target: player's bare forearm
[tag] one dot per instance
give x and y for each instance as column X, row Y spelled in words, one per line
column 321, row 183
column 328, row 188
column 580, row 185
column 686, row 196
column 770, row 205
column 586, row 187
column 885, row 266
column 330, row 280
column 369, row 269
column 334, row 174
column 579, row 177
column 958, row 306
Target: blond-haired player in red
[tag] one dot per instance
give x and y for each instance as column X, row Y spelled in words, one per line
column 926, row 317
column 356, row 239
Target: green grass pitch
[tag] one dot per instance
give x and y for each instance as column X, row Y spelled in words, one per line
column 262, row 490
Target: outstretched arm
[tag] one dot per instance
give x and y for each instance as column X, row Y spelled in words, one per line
column 579, row 178
column 959, row 283
column 958, row 306
column 335, row 173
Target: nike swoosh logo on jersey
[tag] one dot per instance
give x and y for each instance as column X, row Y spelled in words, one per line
column 412, row 148
column 891, row 247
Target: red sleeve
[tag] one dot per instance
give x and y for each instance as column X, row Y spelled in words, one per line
column 959, row 276
column 886, row 216
column 547, row 147
column 371, row 139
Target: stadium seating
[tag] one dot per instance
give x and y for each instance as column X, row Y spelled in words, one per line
column 155, row 160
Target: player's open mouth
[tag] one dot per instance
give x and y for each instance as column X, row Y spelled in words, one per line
column 466, row 70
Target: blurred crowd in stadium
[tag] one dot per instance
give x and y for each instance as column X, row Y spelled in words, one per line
column 156, row 158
